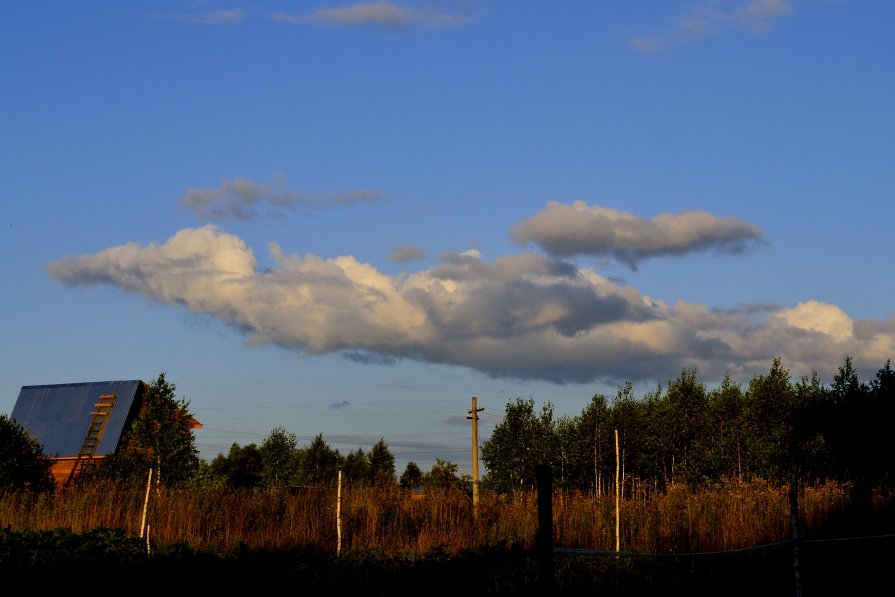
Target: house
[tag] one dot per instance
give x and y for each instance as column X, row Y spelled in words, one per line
column 78, row 424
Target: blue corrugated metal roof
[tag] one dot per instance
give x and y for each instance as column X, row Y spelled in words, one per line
column 58, row 416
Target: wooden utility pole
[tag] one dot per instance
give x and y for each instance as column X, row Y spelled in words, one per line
column 474, row 415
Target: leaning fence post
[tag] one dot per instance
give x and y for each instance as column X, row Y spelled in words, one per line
column 146, row 504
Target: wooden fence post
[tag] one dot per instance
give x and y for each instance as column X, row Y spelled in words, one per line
column 339, row 517
column 544, row 538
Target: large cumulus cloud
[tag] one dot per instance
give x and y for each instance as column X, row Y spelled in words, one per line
column 523, row 316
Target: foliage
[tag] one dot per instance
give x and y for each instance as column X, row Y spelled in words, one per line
column 586, row 448
column 60, row 548
column 206, row 479
column 443, row 477
column 241, row 468
column 770, row 429
column 374, row 469
column 320, row 463
column 632, row 433
column 522, row 441
column 877, row 433
column 382, row 465
column 23, row 465
column 856, row 420
column 160, row 437
column 412, row 477
column 356, row 467
column 719, row 445
column 681, row 423
column 280, row 463
column 768, row 424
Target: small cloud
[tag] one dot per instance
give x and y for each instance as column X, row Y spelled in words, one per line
column 579, row 229
column 342, row 404
column 707, row 18
column 368, row 357
column 215, row 17
column 762, row 15
column 647, row 44
column 242, row 199
column 405, row 253
column 455, row 421
column 352, row 197
column 378, row 15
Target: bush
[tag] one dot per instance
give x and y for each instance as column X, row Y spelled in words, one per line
column 23, row 466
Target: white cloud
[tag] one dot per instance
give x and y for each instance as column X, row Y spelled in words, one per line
column 215, row 17
column 579, row 229
column 522, row 316
column 819, row 317
column 381, row 15
column 761, row 15
column 709, row 17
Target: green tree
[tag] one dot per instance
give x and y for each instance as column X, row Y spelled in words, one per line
column 412, row 477
column 443, row 477
column 356, row 467
column 523, row 440
column 586, row 448
column 719, row 445
column 161, row 437
column 769, row 424
column 880, row 416
column 571, row 445
column 883, row 385
column 647, row 442
column 682, row 421
column 813, row 457
column 382, row 465
column 630, row 419
column 279, row 458
column 320, row 464
column 207, row 479
column 241, row 467
column 23, row 465
column 851, row 417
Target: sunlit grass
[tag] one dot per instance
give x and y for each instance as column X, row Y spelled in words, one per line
column 729, row 515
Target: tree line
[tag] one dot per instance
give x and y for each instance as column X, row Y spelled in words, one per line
column 279, row 461
column 773, row 427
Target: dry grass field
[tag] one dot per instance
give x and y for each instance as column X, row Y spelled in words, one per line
column 729, row 516
column 732, row 539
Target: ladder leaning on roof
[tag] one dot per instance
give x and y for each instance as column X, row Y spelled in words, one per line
column 100, row 417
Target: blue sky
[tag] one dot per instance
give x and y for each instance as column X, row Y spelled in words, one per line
column 348, row 219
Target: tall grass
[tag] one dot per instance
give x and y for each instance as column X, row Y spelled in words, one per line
column 730, row 515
